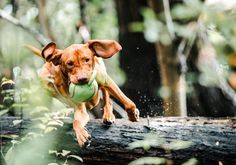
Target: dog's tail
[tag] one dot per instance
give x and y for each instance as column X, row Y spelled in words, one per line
column 34, row 50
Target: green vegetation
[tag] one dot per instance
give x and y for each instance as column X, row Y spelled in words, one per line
column 156, row 141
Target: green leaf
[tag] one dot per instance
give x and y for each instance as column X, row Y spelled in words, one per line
column 20, row 105
column 14, row 142
column 56, row 123
column 2, row 112
column 232, row 43
column 32, row 134
column 178, row 145
column 16, row 71
column 9, row 136
column 185, row 31
column 165, row 38
column 148, row 160
column 41, row 126
column 65, row 152
column 76, row 157
column 41, row 119
column 192, row 161
column 9, row 157
column 52, row 152
column 49, row 129
column 150, row 140
column 39, row 109
column 140, row 144
column 152, row 27
column 188, row 10
column 216, row 37
column 136, row 27
column 148, row 13
column 16, row 122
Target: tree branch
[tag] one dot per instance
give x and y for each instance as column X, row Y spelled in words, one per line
column 38, row 36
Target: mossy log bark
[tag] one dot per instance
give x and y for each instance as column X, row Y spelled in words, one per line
column 213, row 140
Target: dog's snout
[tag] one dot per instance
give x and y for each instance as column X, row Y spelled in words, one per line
column 79, row 79
column 82, row 80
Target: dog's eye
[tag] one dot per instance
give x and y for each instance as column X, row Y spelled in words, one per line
column 70, row 64
column 86, row 60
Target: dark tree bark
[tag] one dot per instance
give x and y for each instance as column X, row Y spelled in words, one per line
column 138, row 60
column 213, row 140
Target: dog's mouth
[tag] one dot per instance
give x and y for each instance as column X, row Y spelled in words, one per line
column 85, row 80
column 83, row 93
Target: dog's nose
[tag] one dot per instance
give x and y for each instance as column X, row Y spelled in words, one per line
column 82, row 80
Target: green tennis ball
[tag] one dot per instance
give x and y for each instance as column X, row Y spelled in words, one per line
column 84, row 92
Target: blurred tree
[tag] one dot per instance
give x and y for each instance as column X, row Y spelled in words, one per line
column 164, row 50
column 192, row 73
column 171, row 60
column 138, row 59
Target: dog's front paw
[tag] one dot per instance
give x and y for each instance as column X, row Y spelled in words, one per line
column 83, row 137
column 133, row 115
column 81, row 133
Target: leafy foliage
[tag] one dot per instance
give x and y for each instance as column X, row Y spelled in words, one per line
column 148, row 160
column 209, row 27
column 156, row 141
column 37, row 139
column 30, row 98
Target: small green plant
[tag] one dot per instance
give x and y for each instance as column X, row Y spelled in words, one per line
column 65, row 154
column 38, row 142
column 155, row 141
column 7, row 92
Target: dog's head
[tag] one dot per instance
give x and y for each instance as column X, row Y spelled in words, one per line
column 77, row 60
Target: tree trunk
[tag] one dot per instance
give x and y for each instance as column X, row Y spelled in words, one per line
column 213, row 140
column 138, row 60
column 145, row 67
column 172, row 80
column 43, row 19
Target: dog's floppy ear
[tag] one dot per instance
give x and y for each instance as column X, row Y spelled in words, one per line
column 51, row 54
column 104, row 48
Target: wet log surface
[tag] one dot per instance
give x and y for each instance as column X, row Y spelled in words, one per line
column 213, row 140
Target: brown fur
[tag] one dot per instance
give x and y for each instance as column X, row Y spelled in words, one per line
column 75, row 64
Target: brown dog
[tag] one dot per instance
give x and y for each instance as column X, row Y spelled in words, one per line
column 75, row 64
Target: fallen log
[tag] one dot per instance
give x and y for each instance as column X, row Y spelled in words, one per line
column 213, row 140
